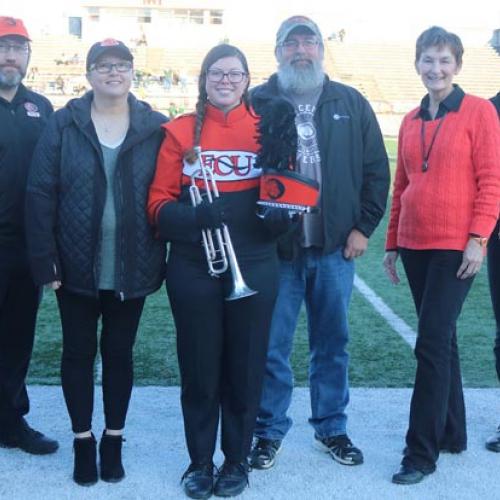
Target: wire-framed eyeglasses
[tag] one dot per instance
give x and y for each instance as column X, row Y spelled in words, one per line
column 308, row 44
column 217, row 75
column 105, row 67
column 17, row 48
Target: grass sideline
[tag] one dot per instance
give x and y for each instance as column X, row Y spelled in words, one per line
column 379, row 357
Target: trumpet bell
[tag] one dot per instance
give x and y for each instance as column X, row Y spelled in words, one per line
column 240, row 291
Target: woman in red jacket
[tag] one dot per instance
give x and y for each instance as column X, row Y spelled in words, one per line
column 445, row 204
column 221, row 344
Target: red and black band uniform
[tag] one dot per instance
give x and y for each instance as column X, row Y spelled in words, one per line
column 221, row 344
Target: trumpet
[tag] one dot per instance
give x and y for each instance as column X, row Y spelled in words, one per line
column 217, row 243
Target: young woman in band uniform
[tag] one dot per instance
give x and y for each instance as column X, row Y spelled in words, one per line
column 221, row 344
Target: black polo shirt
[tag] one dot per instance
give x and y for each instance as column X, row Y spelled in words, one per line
column 452, row 102
column 21, row 122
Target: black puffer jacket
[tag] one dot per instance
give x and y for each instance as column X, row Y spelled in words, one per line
column 66, row 195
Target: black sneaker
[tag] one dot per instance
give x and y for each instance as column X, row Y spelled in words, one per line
column 340, row 448
column 232, row 479
column 27, row 439
column 198, row 480
column 264, row 453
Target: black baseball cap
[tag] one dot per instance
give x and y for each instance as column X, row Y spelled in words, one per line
column 108, row 46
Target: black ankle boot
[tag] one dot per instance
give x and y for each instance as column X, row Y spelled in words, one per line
column 110, row 453
column 85, row 470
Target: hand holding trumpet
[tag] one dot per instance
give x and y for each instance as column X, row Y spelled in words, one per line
column 210, row 215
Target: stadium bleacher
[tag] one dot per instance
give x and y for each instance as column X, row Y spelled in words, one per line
column 383, row 72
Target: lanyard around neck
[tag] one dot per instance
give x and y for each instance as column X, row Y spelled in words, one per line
column 427, row 154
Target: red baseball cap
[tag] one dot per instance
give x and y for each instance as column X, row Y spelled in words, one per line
column 10, row 26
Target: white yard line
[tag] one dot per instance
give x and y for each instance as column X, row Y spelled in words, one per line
column 397, row 324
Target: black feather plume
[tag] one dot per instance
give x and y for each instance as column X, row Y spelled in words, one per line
column 277, row 135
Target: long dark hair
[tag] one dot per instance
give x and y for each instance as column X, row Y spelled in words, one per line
column 214, row 54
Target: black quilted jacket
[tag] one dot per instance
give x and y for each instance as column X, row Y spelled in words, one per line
column 65, row 201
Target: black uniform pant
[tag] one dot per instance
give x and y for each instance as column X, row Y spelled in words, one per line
column 19, row 299
column 221, row 347
column 494, row 280
column 437, row 411
column 79, row 318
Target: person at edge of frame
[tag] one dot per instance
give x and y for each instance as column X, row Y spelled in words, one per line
column 89, row 239
column 23, row 116
column 493, row 442
column 340, row 145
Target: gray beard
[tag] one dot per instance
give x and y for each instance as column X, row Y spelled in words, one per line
column 300, row 80
column 10, row 81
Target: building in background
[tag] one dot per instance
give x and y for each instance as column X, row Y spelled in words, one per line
column 154, row 23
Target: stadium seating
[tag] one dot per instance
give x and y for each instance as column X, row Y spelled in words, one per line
column 383, row 72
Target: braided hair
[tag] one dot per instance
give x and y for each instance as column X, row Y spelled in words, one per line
column 216, row 53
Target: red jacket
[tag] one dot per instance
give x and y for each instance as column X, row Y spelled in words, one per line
column 460, row 192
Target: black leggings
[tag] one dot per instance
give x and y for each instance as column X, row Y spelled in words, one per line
column 222, row 349
column 79, row 318
column 494, row 279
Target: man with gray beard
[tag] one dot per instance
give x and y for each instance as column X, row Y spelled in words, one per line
column 23, row 115
column 341, row 147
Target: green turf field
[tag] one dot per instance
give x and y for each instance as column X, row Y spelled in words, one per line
column 379, row 357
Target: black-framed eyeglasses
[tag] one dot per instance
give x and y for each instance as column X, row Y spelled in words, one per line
column 217, row 75
column 308, row 43
column 17, row 48
column 104, row 67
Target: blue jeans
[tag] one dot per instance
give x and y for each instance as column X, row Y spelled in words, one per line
column 325, row 283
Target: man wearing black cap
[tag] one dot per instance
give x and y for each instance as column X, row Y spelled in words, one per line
column 23, row 115
column 341, row 147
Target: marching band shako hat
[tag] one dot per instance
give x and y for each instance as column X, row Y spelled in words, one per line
column 10, row 26
column 282, row 188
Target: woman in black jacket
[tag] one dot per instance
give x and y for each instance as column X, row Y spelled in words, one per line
column 89, row 239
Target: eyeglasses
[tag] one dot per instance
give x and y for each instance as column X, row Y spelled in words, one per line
column 17, row 48
column 217, row 75
column 308, row 44
column 104, row 67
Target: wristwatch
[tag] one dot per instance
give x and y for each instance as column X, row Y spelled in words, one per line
column 481, row 240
